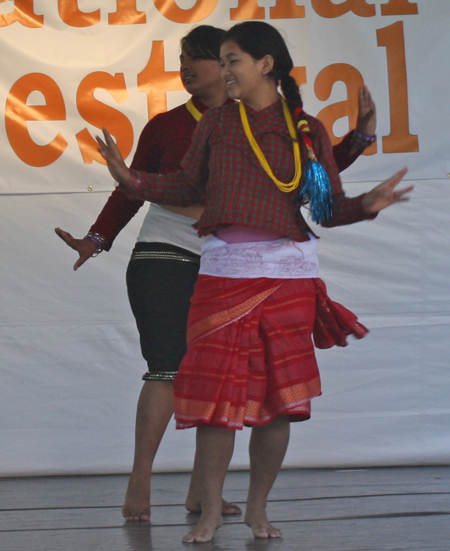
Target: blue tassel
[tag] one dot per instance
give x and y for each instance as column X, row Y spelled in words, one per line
column 317, row 189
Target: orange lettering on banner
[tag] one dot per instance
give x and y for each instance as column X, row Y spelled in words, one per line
column 283, row 9
column 154, row 80
column 201, row 10
column 100, row 115
column 71, row 14
column 23, row 13
column 400, row 140
column 353, row 80
column 287, row 9
column 399, row 7
column 326, row 8
column 18, row 113
column 246, row 10
column 127, row 14
column 299, row 74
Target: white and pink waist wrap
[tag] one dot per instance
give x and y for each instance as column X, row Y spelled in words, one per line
column 240, row 252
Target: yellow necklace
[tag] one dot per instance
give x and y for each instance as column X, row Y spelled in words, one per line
column 193, row 110
column 257, row 150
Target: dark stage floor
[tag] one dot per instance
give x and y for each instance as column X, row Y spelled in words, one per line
column 390, row 509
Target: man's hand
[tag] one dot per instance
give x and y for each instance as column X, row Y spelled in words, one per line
column 84, row 247
column 367, row 113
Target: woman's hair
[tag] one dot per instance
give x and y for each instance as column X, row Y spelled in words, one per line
column 259, row 39
column 203, row 42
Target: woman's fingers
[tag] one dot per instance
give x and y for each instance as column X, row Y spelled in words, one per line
column 110, row 152
column 385, row 194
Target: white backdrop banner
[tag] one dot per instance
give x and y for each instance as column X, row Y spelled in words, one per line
column 70, row 364
column 71, row 67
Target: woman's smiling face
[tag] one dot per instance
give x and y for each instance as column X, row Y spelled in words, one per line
column 243, row 75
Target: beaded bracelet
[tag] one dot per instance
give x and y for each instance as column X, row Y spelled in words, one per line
column 99, row 241
column 365, row 138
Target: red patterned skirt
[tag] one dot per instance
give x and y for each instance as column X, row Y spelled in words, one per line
column 250, row 354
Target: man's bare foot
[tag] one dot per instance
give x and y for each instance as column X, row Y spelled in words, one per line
column 137, row 500
column 261, row 526
column 227, row 508
column 204, row 530
column 230, row 508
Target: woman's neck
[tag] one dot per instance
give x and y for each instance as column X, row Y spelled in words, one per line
column 266, row 97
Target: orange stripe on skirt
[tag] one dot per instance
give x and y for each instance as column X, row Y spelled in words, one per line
column 250, row 353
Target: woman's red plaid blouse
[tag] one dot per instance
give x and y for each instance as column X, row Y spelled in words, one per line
column 221, row 171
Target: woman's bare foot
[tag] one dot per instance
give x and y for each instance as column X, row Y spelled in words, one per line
column 204, row 530
column 137, row 500
column 227, row 508
column 261, row 526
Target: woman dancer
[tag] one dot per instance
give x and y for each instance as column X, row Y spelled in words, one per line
column 164, row 264
column 250, row 358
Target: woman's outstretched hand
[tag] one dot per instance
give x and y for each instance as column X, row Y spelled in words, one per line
column 110, row 152
column 385, row 194
column 84, row 247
